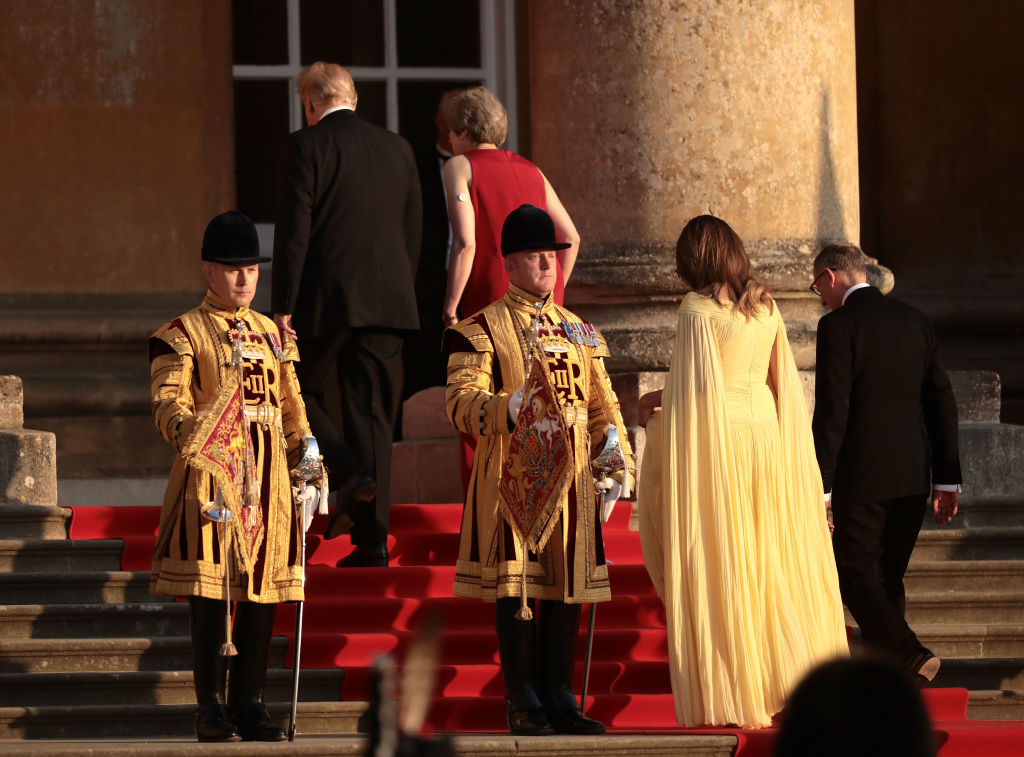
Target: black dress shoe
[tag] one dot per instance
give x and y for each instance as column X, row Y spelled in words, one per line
column 563, row 713
column 526, row 720
column 254, row 723
column 366, row 557
column 214, row 724
column 356, row 488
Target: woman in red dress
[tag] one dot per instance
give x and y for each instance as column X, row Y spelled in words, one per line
column 483, row 184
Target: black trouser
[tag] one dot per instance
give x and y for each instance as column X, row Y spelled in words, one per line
column 873, row 542
column 353, row 420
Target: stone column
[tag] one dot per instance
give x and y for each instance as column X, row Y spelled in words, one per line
column 646, row 113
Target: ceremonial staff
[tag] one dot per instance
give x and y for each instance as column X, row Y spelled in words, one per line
column 309, row 470
column 608, row 460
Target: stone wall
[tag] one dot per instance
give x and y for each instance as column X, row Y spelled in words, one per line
column 116, row 142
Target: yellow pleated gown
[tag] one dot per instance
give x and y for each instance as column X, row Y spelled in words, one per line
column 733, row 523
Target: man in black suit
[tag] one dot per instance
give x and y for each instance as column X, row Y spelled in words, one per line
column 345, row 255
column 885, row 433
column 424, row 359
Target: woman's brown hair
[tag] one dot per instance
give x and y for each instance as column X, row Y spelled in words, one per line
column 710, row 257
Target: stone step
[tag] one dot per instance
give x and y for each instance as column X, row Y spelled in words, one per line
column 982, row 543
column 963, row 576
column 997, row 673
column 116, row 586
column 161, row 687
column 995, row 705
column 972, row 640
column 989, row 608
column 315, row 740
column 107, row 655
column 68, row 556
column 33, row 521
column 148, row 721
column 93, row 620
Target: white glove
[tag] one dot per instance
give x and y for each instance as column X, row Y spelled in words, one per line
column 612, row 489
column 308, row 497
column 515, row 402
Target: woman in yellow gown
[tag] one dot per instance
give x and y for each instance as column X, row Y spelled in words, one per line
column 732, row 517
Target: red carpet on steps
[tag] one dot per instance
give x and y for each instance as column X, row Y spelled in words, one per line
column 354, row 614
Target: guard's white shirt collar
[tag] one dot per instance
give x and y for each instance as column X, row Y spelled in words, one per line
column 854, row 288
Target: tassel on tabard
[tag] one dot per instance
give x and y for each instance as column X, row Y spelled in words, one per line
column 524, row 612
column 228, row 650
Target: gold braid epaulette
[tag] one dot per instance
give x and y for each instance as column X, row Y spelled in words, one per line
column 175, row 338
column 475, row 334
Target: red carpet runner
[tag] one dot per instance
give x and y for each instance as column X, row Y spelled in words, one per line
column 354, row 614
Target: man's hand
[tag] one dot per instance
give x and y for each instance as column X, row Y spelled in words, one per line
column 284, row 322
column 449, row 319
column 944, row 506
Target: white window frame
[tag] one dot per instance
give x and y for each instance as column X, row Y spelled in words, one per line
column 497, row 72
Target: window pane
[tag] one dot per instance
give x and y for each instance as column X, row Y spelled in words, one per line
column 261, row 124
column 259, row 32
column 350, row 33
column 417, row 104
column 440, row 33
column 373, row 102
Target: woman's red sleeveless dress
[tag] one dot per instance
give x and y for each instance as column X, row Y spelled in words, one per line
column 502, row 181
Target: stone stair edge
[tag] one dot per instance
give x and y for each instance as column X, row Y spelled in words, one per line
column 69, row 609
column 61, row 545
column 315, row 744
column 86, row 575
column 984, row 567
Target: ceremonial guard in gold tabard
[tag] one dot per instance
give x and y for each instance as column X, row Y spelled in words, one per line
column 218, row 542
column 550, row 547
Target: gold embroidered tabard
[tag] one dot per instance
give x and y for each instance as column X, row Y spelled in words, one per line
column 191, row 370
column 487, row 364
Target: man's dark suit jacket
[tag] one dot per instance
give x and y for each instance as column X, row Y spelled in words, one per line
column 424, row 361
column 885, row 418
column 347, row 240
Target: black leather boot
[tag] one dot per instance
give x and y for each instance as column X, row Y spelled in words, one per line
column 517, row 647
column 254, row 625
column 559, row 629
column 210, row 670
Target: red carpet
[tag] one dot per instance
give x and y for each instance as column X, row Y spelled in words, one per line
column 352, row 615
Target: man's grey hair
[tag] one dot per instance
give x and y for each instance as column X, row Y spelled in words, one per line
column 841, row 256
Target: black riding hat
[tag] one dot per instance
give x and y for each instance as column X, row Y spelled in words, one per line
column 231, row 239
column 529, row 228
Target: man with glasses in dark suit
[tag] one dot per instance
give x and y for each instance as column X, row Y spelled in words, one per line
column 885, row 433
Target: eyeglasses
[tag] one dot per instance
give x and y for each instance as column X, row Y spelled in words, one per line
column 814, row 284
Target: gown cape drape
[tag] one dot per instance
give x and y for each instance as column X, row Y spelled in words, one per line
column 732, row 521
